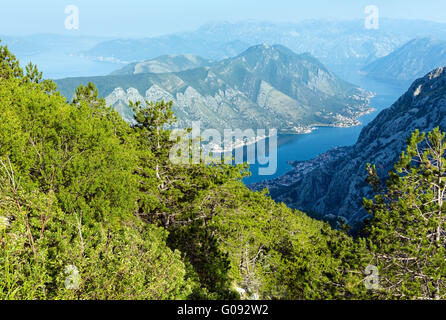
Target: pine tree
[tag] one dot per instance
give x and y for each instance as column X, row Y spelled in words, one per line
column 9, row 65
column 407, row 232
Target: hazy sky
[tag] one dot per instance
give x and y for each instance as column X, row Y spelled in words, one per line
column 136, row 18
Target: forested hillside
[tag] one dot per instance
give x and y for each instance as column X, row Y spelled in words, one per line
column 92, row 208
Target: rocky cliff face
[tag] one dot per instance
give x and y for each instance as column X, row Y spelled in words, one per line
column 333, row 185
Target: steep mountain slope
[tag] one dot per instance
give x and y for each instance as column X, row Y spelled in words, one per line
column 331, row 41
column 334, row 184
column 164, row 64
column 264, row 87
column 411, row 61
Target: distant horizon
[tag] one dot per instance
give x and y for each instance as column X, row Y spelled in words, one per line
column 136, row 18
column 210, row 22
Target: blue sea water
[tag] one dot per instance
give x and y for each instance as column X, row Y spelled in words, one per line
column 306, row 147
column 62, row 65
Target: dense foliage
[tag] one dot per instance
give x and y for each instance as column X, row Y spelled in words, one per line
column 91, row 207
column 407, row 234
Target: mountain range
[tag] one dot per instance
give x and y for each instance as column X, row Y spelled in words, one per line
column 343, row 46
column 333, row 185
column 409, row 62
column 164, row 64
column 333, row 42
column 264, row 87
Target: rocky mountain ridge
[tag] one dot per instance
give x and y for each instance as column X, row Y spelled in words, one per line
column 264, row 87
column 333, row 185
